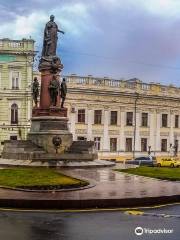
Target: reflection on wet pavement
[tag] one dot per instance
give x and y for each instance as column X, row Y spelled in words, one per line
column 108, row 184
column 84, row 226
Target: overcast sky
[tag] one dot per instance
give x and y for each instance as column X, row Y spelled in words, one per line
column 113, row 38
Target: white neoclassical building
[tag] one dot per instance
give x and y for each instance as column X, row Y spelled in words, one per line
column 124, row 117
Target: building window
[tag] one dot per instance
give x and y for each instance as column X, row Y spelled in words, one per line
column 113, row 144
column 15, row 80
column 13, row 137
column 176, row 121
column 81, row 115
column 80, row 138
column 14, row 113
column 143, row 144
column 128, row 144
column 144, row 119
column 130, row 85
column 164, row 145
column 97, row 143
column 97, row 116
column 129, row 118
column 113, row 117
column 145, row 86
column 164, row 120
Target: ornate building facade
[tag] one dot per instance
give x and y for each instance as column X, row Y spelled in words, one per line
column 124, row 118
column 16, row 72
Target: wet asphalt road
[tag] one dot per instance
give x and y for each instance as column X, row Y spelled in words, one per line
column 88, row 225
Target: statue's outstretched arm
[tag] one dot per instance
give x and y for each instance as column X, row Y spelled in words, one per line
column 61, row 31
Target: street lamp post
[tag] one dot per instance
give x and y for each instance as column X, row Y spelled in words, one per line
column 149, row 150
column 135, row 110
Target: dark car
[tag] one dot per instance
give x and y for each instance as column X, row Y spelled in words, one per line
column 148, row 161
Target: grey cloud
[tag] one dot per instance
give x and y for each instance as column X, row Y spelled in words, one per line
column 125, row 41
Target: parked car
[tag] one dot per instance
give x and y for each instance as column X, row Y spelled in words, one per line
column 168, row 162
column 146, row 160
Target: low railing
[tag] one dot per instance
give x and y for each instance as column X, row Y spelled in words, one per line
column 94, row 81
column 132, row 86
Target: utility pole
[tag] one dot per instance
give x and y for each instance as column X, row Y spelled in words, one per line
column 135, row 110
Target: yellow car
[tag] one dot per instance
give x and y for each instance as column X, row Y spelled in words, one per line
column 168, row 162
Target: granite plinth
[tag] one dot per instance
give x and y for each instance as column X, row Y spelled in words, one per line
column 44, row 129
column 51, row 111
column 21, row 150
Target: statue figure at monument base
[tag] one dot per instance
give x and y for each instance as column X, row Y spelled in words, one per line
column 54, row 90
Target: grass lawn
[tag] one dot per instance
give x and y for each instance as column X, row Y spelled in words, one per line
column 172, row 174
column 37, row 178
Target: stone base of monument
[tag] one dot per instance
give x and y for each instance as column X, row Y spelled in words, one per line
column 52, row 111
column 44, row 129
column 39, row 148
column 27, row 150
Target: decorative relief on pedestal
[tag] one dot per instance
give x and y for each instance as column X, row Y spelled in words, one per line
column 53, row 125
column 51, row 63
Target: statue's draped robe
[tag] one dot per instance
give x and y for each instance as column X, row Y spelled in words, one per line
column 50, row 39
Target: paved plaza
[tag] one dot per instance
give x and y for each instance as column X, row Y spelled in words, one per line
column 108, row 188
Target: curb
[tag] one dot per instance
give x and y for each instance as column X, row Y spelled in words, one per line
column 86, row 204
column 50, row 190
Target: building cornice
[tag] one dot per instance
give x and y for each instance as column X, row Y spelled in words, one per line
column 119, row 94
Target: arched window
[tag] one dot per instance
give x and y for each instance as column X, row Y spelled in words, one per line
column 14, row 113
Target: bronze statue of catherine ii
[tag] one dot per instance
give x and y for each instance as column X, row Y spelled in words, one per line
column 50, row 38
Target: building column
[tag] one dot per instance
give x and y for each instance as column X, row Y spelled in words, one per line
column 122, row 125
column 72, row 120
column 29, row 107
column 157, row 131
column 152, row 130
column 89, row 124
column 172, row 121
column 137, row 134
column 106, row 146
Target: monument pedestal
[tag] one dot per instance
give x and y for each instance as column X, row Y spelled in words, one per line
column 51, row 111
column 49, row 121
column 45, row 128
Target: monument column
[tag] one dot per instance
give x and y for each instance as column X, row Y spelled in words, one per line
column 49, row 120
